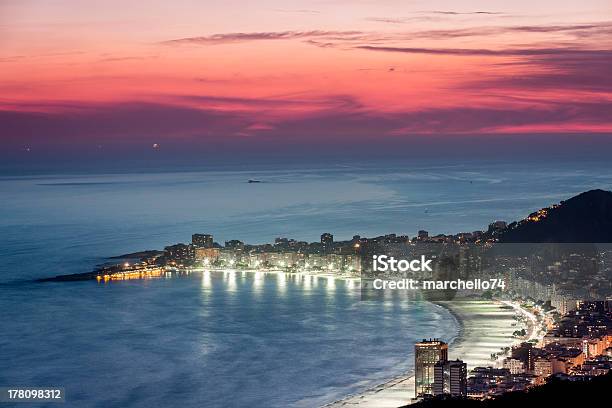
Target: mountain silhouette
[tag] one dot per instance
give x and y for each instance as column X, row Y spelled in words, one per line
column 584, row 218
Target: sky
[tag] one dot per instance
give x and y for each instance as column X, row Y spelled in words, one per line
column 85, row 80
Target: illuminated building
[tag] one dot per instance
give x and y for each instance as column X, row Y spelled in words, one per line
column 450, row 377
column 202, row 240
column 426, row 354
column 515, row 366
column 542, row 367
column 563, row 304
column 207, row 255
column 524, row 353
column 180, row 253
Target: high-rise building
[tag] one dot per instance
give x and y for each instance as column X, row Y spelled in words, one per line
column 327, row 239
column 450, row 377
column 524, row 353
column 426, row 354
column 202, row 240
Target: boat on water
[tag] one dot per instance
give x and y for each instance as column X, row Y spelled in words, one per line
column 254, row 181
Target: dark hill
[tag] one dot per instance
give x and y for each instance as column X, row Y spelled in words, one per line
column 586, row 217
column 557, row 393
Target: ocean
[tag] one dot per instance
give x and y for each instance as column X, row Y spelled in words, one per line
column 216, row 339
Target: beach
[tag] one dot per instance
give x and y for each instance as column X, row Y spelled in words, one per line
column 486, row 327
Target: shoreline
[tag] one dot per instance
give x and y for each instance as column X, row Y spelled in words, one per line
column 485, row 327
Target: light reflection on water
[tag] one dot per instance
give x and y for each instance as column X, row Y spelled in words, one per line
column 169, row 342
column 281, row 282
column 307, row 281
column 206, row 279
column 331, row 284
column 207, row 335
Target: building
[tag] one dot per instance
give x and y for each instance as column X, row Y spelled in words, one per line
column 543, row 367
column 202, row 240
column 563, row 304
column 488, row 381
column 524, row 353
column 422, row 235
column 180, row 253
column 352, row 263
column 234, row 244
column 231, row 258
column 569, row 358
column 515, row 366
column 426, row 354
column 207, row 256
column 450, row 377
column 327, row 239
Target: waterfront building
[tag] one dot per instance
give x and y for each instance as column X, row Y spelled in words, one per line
column 315, row 262
column 207, row 256
column 258, row 260
column 426, row 354
column 450, row 377
column 180, row 253
column 281, row 259
column 231, row 258
column 352, row 263
column 202, row 240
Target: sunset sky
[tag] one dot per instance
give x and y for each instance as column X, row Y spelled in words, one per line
column 79, row 77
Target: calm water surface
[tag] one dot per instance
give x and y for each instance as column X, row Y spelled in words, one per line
column 227, row 339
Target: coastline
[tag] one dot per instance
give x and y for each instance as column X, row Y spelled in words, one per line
column 485, row 327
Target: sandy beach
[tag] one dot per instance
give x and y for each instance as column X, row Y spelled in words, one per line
column 486, row 327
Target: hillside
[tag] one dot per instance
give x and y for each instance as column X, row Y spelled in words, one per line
column 556, row 392
column 586, row 217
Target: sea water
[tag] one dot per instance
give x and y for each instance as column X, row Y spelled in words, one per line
column 228, row 339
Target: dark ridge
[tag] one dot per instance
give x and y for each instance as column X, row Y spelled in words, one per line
column 139, row 255
column 561, row 393
column 586, row 217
